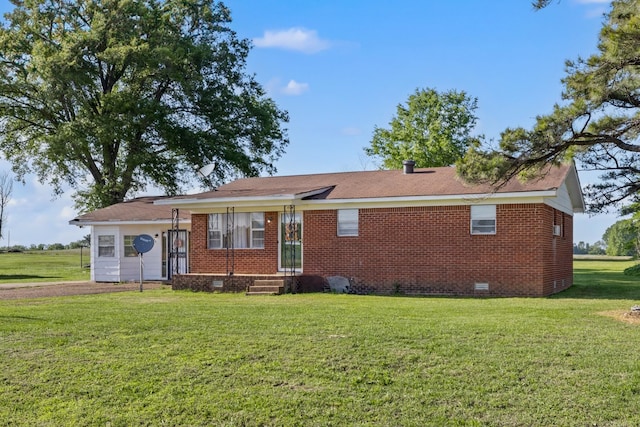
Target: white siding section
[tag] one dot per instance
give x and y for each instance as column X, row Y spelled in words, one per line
column 130, row 266
column 125, row 269
column 562, row 201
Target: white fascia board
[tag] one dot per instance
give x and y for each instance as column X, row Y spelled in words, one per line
column 239, row 205
column 449, row 200
column 224, row 200
column 575, row 190
column 128, row 222
column 554, row 203
column 195, row 204
column 563, row 201
column 241, row 208
column 275, row 203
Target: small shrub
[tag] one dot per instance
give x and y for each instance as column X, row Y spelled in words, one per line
column 634, row 270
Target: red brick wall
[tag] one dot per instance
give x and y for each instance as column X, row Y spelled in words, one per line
column 421, row 250
column 558, row 253
column 240, row 261
column 431, row 250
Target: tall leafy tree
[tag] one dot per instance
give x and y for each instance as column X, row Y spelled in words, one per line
column 622, row 238
column 433, row 129
column 598, row 123
column 110, row 96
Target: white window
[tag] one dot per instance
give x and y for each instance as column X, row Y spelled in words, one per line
column 257, row 230
column 106, row 246
column 347, row 222
column 483, row 219
column 129, row 250
column 240, row 231
column 214, row 237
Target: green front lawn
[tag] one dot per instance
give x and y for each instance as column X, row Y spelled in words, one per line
column 44, row 266
column 172, row 358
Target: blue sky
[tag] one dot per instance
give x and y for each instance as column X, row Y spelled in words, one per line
column 341, row 67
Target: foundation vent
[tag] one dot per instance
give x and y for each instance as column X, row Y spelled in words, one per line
column 481, row 287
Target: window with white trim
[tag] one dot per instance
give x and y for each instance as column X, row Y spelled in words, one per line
column 107, row 245
column 257, row 230
column 483, row 219
column 240, row 231
column 129, row 250
column 347, row 222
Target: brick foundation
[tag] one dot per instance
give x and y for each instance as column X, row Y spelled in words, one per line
column 223, row 283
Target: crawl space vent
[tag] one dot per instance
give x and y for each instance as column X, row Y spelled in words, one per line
column 481, row 287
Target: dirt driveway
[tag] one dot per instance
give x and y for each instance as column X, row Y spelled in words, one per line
column 43, row 290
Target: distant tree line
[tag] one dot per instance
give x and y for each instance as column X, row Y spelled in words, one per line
column 82, row 243
column 582, row 248
column 620, row 239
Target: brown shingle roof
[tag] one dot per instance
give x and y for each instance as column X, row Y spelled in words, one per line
column 329, row 186
column 139, row 209
column 378, row 184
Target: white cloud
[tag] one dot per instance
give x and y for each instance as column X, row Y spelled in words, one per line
column 67, row 213
column 351, row 131
column 35, row 215
column 597, row 12
column 595, row 8
column 297, row 38
column 294, row 88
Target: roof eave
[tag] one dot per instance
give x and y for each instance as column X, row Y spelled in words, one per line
column 575, row 190
column 242, row 201
column 463, row 197
column 267, row 203
column 82, row 223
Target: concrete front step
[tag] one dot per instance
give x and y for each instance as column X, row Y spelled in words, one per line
column 272, row 289
column 266, row 287
column 261, row 293
column 268, row 282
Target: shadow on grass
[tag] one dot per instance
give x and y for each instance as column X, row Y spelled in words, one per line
column 593, row 283
column 5, row 277
column 21, row 318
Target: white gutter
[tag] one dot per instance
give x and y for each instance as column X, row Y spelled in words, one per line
column 225, row 200
column 296, row 199
column 466, row 197
column 127, row 222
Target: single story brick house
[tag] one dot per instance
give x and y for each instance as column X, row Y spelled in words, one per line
column 420, row 231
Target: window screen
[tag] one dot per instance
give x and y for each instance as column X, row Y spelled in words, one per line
column 483, row 219
column 239, row 231
column 129, row 250
column 347, row 222
column 106, row 246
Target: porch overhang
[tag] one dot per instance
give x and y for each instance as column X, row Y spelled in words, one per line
column 222, row 200
column 88, row 223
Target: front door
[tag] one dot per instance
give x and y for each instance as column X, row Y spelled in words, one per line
column 290, row 256
column 178, row 253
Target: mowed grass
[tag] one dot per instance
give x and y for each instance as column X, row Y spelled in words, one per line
column 193, row 359
column 44, row 266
